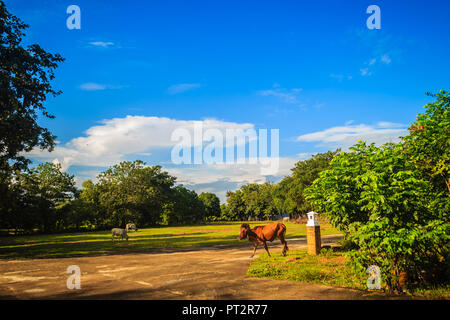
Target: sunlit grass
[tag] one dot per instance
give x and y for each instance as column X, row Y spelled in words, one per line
column 99, row 242
column 327, row 268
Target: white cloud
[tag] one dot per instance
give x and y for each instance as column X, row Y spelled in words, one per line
column 385, row 124
column 91, row 86
column 345, row 136
column 340, row 77
column 114, row 139
column 304, row 155
column 132, row 137
column 365, row 72
column 374, row 63
column 349, row 122
column 386, row 59
column 183, row 87
column 102, row 44
column 288, row 96
column 219, row 178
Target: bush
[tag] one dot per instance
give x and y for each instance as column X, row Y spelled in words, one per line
column 394, row 201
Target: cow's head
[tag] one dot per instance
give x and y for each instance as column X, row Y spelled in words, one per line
column 245, row 227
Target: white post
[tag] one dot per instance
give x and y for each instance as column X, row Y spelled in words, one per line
column 313, row 233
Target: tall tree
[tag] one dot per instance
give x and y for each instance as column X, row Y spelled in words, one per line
column 428, row 143
column 235, row 206
column 132, row 191
column 40, row 197
column 211, row 203
column 289, row 193
column 184, row 207
column 393, row 200
column 25, row 75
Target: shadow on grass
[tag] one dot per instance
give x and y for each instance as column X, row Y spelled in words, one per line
column 150, row 244
column 146, row 244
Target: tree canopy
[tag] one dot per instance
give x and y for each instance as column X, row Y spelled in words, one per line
column 25, row 75
column 393, row 200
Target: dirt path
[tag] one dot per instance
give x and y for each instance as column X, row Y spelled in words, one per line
column 217, row 272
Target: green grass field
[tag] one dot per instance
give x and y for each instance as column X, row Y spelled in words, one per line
column 327, row 268
column 99, row 242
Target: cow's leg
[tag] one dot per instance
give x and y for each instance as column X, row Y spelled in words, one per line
column 267, row 249
column 284, row 242
column 281, row 233
column 255, row 245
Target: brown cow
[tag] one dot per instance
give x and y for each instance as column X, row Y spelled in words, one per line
column 260, row 234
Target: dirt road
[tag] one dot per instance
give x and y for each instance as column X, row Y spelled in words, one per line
column 217, row 272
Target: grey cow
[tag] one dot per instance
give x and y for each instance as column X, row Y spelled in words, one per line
column 131, row 226
column 122, row 233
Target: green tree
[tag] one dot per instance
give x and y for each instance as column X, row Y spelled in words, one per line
column 87, row 208
column 185, row 207
column 428, row 143
column 132, row 191
column 25, row 75
column 303, row 175
column 236, row 209
column 211, row 204
column 224, row 213
column 282, row 202
column 336, row 191
column 251, row 200
column 41, row 197
column 394, row 202
column 258, row 200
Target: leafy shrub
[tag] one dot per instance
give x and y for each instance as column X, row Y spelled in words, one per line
column 394, row 200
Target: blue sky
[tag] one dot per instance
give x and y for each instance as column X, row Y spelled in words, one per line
column 137, row 70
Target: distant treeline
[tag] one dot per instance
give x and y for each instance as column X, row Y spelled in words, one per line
column 267, row 201
column 45, row 199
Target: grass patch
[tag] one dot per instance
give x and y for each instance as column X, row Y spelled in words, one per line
column 99, row 242
column 327, row 268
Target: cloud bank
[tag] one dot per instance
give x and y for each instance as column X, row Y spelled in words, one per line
column 345, row 136
column 135, row 137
